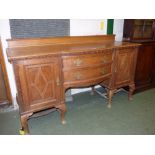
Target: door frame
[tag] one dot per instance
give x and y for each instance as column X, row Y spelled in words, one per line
column 6, row 80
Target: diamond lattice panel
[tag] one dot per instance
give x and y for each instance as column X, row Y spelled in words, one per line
column 41, row 82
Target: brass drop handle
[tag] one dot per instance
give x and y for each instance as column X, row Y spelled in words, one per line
column 103, row 71
column 77, row 62
column 58, row 81
column 78, row 75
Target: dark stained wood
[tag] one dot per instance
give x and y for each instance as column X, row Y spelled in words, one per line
column 144, row 75
column 45, row 68
column 5, row 94
column 153, row 77
column 145, row 68
column 144, row 28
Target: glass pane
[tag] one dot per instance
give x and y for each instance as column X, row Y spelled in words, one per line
column 143, row 28
column 139, row 22
column 138, row 32
column 147, row 32
column 149, row 22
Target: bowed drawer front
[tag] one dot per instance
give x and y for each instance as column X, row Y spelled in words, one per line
column 87, row 67
column 85, row 60
column 86, row 74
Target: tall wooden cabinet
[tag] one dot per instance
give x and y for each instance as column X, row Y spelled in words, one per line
column 142, row 31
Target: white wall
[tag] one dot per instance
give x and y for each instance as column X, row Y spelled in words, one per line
column 118, row 29
column 80, row 27
column 5, row 34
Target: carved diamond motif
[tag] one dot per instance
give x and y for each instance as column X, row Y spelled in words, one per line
column 41, row 83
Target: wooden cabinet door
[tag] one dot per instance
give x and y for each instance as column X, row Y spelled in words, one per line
column 125, row 66
column 40, row 83
column 144, row 69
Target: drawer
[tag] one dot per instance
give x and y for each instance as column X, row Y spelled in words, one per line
column 86, row 60
column 87, row 73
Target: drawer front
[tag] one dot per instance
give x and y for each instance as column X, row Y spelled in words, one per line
column 70, row 62
column 86, row 73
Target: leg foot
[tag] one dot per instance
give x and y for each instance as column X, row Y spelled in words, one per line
column 24, row 124
column 92, row 91
column 21, row 132
column 109, row 106
column 63, row 122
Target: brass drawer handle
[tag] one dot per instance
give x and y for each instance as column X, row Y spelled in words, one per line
column 103, row 71
column 78, row 76
column 77, row 62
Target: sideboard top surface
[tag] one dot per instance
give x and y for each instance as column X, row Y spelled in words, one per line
column 28, row 48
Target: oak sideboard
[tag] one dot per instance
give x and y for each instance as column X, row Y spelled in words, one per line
column 45, row 68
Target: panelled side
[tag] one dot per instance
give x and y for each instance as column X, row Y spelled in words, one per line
column 125, row 66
